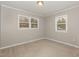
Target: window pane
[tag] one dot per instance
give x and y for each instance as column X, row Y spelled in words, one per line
column 34, row 26
column 23, row 19
column 61, row 26
column 24, row 25
column 62, row 20
column 33, row 20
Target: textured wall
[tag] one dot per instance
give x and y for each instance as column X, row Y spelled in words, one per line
column 72, row 35
column 10, row 34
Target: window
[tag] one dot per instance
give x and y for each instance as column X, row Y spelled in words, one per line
column 61, row 23
column 23, row 21
column 28, row 22
column 34, row 22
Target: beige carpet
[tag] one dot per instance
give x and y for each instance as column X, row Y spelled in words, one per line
column 41, row 48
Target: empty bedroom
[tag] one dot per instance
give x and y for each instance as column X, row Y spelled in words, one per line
column 39, row 28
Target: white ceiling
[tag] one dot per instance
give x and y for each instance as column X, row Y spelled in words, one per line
column 49, row 7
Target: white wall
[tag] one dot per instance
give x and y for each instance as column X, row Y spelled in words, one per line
column 72, row 35
column 10, row 34
column 0, row 25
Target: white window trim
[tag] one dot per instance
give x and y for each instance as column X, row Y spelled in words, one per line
column 27, row 22
column 37, row 22
column 65, row 23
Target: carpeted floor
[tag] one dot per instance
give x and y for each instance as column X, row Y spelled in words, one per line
column 41, row 48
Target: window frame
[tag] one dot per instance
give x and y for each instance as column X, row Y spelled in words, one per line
column 25, row 22
column 29, row 21
column 57, row 18
column 37, row 22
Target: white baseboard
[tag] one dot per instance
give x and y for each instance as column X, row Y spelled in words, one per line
column 37, row 40
column 20, row 43
column 69, row 44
